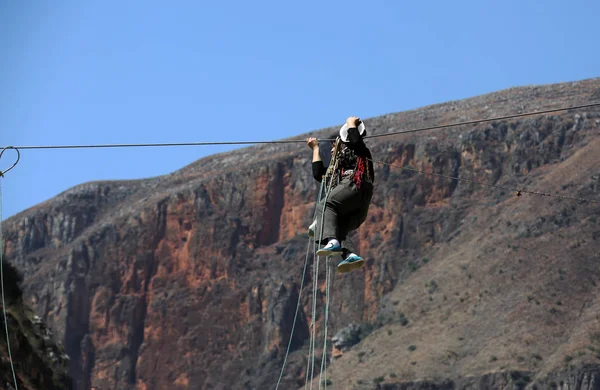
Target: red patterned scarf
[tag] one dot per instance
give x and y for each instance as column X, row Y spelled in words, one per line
column 360, row 169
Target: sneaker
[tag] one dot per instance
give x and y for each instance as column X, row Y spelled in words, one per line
column 352, row 262
column 330, row 249
column 311, row 229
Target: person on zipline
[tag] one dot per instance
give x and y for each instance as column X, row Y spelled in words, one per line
column 347, row 205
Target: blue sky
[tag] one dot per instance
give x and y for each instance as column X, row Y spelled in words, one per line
column 81, row 72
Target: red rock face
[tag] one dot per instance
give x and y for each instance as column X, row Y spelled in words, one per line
column 191, row 280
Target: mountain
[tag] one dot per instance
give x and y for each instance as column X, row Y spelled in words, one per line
column 38, row 361
column 191, row 280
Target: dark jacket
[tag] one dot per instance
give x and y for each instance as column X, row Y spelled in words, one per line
column 357, row 148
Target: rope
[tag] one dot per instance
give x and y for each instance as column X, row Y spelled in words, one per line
column 311, row 351
column 516, row 190
column 300, row 292
column 331, row 171
column 327, row 282
column 12, row 367
column 498, row 118
column 295, row 315
column 15, row 163
column 298, row 141
column 313, row 330
column 312, row 324
column 159, row 144
column 327, row 294
column 315, row 288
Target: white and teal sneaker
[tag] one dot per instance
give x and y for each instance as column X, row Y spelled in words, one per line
column 311, row 228
column 333, row 247
column 352, row 262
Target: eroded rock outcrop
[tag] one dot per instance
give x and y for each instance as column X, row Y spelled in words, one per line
column 39, row 362
column 191, row 280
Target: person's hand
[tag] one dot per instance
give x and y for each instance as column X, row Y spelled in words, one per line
column 353, row 121
column 312, row 142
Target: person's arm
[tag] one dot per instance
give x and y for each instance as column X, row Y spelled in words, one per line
column 356, row 143
column 318, row 168
column 316, row 154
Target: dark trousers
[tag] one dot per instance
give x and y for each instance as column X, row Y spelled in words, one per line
column 346, row 209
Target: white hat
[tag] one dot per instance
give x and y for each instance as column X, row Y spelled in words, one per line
column 362, row 130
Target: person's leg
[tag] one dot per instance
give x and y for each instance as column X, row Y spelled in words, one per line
column 315, row 226
column 318, row 223
column 350, row 260
column 344, row 222
column 351, row 222
column 343, row 200
column 347, row 224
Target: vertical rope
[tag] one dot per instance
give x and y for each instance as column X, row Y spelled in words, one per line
column 311, row 355
column 310, row 364
column 312, row 324
column 314, row 314
column 295, row 316
column 12, row 367
column 314, row 277
column 327, row 316
column 328, row 295
column 299, row 294
column 323, row 360
column 331, row 171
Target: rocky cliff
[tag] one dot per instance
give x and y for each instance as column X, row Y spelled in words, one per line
column 191, row 280
column 38, row 361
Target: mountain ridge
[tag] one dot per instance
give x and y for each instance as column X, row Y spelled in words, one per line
column 187, row 280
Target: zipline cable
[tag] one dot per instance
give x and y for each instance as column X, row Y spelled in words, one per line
column 499, row 118
column 504, row 117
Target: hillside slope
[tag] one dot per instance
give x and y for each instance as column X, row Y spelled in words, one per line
column 39, row 363
column 191, row 280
